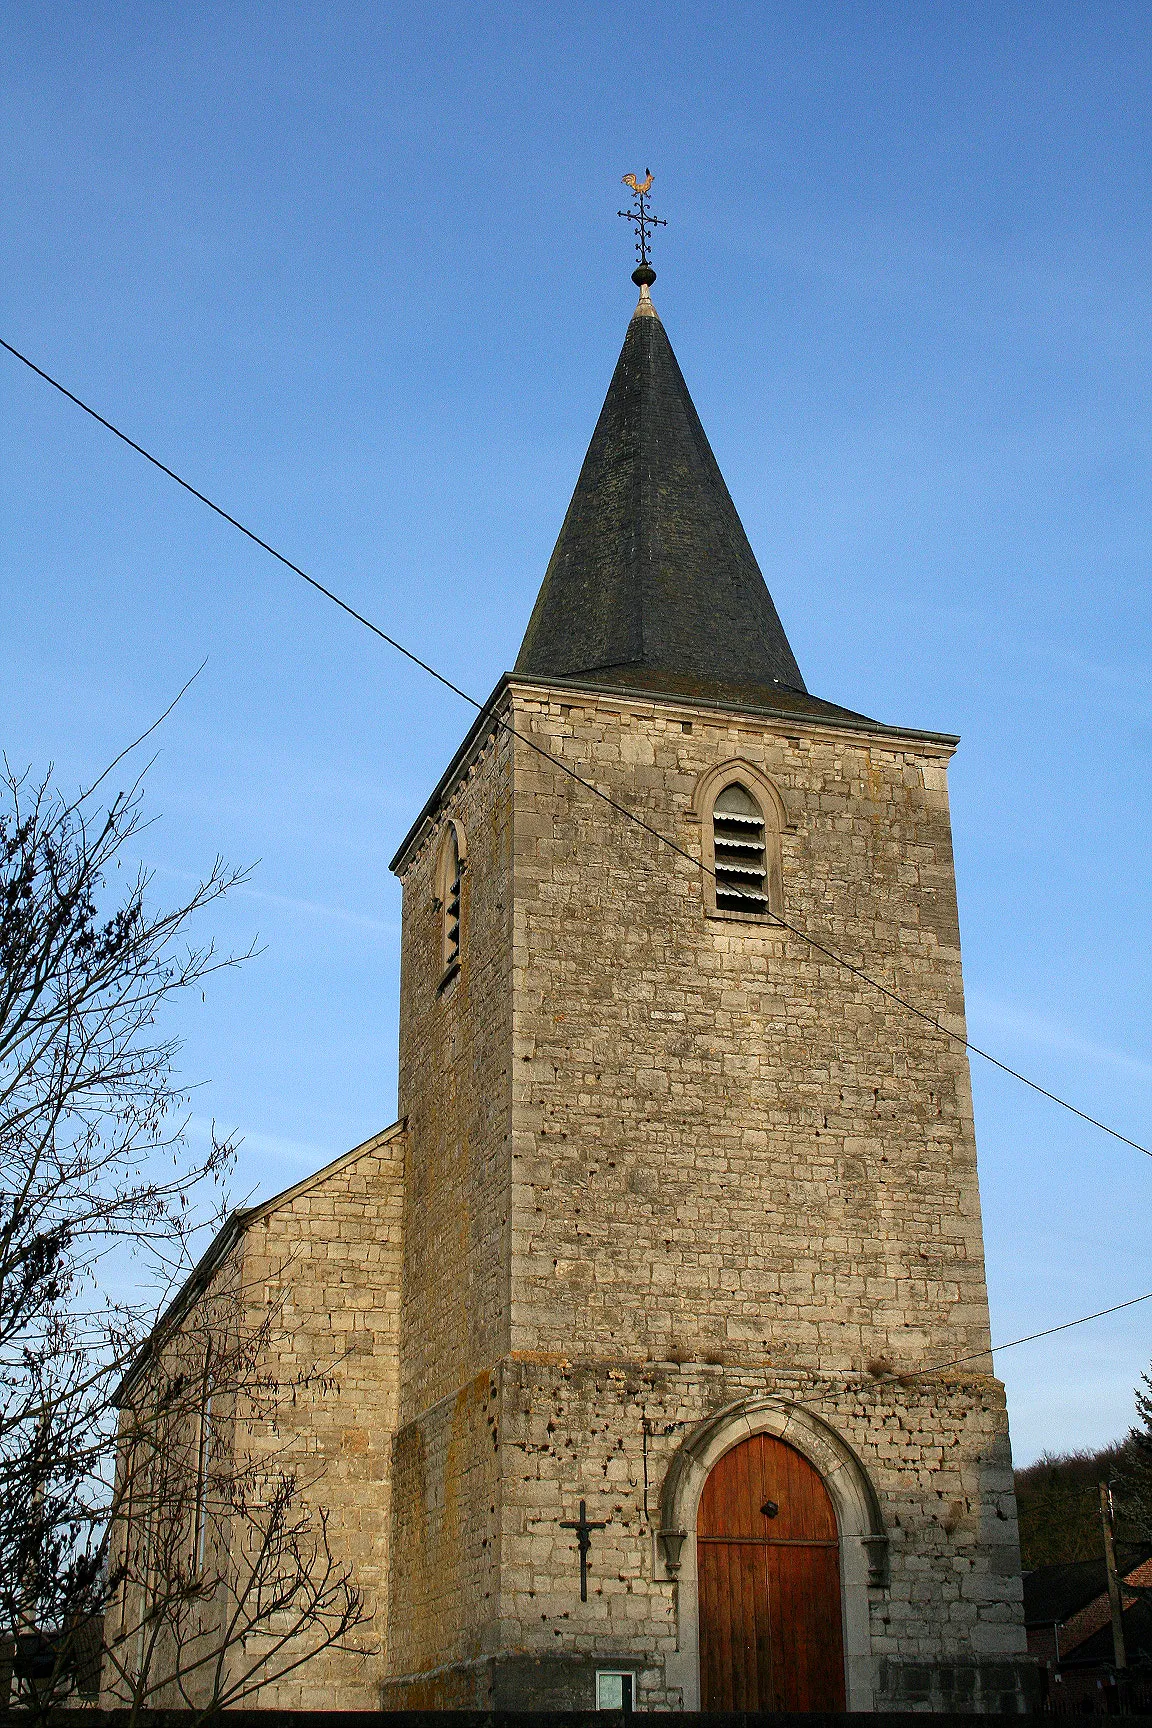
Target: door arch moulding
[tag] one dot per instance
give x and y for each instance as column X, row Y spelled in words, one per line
column 863, row 1539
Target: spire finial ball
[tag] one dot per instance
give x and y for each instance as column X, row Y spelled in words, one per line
column 643, row 275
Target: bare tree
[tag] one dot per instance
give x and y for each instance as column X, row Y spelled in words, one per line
column 224, row 1576
column 93, row 1162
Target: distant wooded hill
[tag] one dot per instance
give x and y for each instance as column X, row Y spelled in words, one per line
column 1058, row 1500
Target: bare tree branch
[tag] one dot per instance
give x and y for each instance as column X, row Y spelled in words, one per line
column 225, row 1578
column 93, row 1161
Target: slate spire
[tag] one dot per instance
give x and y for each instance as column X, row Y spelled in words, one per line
column 652, row 583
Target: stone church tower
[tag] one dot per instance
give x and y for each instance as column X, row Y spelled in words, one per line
column 654, row 1335
column 692, row 1279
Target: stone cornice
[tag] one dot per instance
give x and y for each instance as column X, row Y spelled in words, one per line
column 851, row 728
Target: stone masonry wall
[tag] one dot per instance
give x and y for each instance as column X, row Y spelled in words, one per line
column 937, row 1453
column 300, row 1318
column 327, row 1263
column 723, row 1141
column 153, row 1534
column 662, row 1161
column 731, row 1154
column 455, row 1056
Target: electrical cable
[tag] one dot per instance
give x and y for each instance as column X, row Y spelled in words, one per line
column 697, row 863
column 994, row 1349
column 885, row 1374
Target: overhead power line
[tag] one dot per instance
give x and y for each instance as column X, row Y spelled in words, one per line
column 664, row 839
column 247, row 532
column 995, row 1349
column 884, row 1373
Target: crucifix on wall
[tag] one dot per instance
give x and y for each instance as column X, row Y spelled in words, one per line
column 583, row 1528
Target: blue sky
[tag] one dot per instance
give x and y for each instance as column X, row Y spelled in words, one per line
column 356, row 270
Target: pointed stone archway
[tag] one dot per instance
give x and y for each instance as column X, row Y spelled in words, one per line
column 863, row 1545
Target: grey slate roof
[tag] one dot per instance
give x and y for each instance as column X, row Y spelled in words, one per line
column 652, row 583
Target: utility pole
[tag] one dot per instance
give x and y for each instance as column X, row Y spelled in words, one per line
column 1106, row 1519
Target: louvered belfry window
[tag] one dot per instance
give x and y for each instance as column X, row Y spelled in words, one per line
column 450, row 874
column 739, row 851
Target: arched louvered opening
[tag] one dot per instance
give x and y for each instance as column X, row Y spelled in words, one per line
column 739, row 851
column 451, row 873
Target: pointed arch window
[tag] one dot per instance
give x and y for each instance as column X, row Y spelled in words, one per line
column 743, row 817
column 449, row 896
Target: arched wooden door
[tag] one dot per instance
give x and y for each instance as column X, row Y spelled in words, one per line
column 768, row 1562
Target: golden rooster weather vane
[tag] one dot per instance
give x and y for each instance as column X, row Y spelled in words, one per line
column 643, row 275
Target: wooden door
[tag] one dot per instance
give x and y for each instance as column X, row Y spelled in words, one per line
column 771, row 1636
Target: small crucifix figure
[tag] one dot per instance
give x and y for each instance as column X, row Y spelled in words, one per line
column 583, row 1529
column 643, row 219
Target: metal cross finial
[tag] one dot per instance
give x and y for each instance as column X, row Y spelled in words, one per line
column 643, row 275
column 583, row 1529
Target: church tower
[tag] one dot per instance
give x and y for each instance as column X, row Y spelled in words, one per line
column 695, row 1401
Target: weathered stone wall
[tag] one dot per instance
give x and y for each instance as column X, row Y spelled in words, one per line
column 455, row 1057
column 607, row 1431
column 663, row 1161
column 730, row 1153
column 301, row 1319
column 327, row 1262
column 168, row 1464
column 446, row 1548
column 454, row 1094
column 723, row 1141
